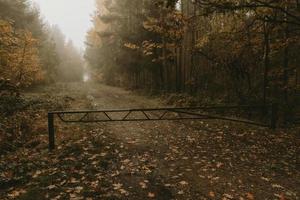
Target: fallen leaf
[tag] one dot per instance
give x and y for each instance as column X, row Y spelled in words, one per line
column 36, row 174
column 122, row 191
column 143, row 185
column 219, row 165
column 73, row 180
column 183, row 183
column 56, row 198
column 250, row 196
column 126, row 161
column 265, row 179
column 228, row 196
column 78, row 189
column 151, row 195
column 117, row 186
column 181, row 192
column 50, row 187
column 212, row 194
column 16, row 193
column 103, row 154
column 280, row 196
column 277, row 186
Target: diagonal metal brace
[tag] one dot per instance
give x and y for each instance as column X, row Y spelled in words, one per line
column 154, row 114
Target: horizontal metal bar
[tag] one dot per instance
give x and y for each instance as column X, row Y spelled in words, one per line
column 225, row 118
column 134, row 120
column 158, row 109
column 201, row 116
column 161, row 117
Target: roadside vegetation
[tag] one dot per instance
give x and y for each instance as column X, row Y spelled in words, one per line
column 31, row 53
column 151, row 54
column 221, row 52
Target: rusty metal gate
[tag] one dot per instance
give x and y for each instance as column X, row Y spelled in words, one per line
column 159, row 114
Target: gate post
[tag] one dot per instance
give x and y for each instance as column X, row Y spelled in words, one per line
column 274, row 115
column 51, row 131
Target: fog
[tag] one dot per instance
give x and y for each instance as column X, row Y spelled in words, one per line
column 149, row 99
column 73, row 17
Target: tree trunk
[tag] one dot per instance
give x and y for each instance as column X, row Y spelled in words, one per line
column 266, row 61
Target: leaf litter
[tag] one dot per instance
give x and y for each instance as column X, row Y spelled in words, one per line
column 207, row 160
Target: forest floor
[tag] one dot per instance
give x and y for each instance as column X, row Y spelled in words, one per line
column 147, row 160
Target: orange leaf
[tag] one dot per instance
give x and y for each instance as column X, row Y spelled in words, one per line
column 250, row 196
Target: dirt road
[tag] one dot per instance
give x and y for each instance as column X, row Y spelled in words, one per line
column 150, row 160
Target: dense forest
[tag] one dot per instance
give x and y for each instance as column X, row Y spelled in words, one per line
column 33, row 52
column 164, row 99
column 243, row 52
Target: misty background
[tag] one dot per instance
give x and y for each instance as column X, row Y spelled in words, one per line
column 67, row 23
column 72, row 17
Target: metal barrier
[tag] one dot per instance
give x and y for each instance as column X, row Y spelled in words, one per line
column 155, row 114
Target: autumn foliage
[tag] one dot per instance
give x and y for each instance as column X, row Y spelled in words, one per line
column 242, row 52
column 32, row 53
column 19, row 56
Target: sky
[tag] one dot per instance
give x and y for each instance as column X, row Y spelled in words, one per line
column 72, row 16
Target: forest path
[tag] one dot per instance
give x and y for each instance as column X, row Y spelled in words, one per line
column 154, row 160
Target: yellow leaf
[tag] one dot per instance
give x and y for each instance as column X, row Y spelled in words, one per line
column 250, row 196
column 211, row 194
column 50, row 187
column 183, row 183
column 151, row 195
